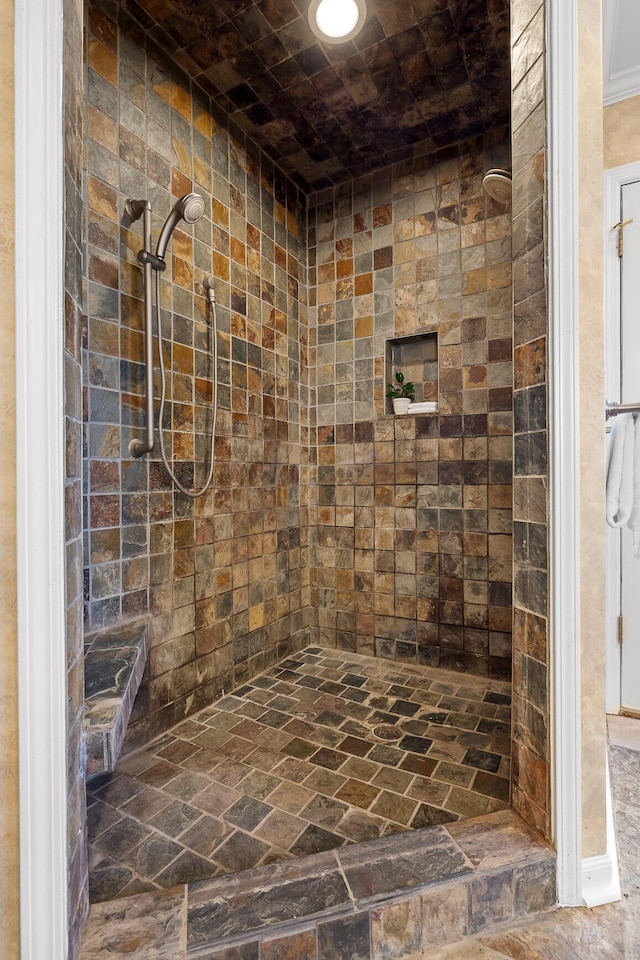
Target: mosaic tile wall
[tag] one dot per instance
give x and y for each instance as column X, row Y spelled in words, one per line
column 224, row 578
column 78, row 886
column 413, row 514
column 531, row 750
column 421, row 75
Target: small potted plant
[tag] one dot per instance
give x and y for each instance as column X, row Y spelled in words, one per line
column 402, row 393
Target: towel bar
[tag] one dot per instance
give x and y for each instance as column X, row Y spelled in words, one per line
column 613, row 409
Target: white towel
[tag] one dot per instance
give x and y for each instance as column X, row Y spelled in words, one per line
column 620, row 475
column 634, row 520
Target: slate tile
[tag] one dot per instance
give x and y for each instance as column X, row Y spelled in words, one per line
column 324, row 811
column 205, row 835
column 393, row 807
column 175, row 818
column 315, row 840
column 482, row 760
column 152, row 856
column 122, row 837
column 358, row 794
column 330, row 759
column 396, row 930
column 418, row 745
column 247, row 813
column 492, row 786
column 429, row 816
column 346, row 937
column 240, row 852
column 108, row 884
column 403, row 862
column 188, row 868
column 297, row 946
column 404, row 708
column 279, row 893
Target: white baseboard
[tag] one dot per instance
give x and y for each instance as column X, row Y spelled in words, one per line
column 600, row 877
column 600, row 883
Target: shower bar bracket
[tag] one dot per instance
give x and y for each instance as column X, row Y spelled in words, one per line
column 136, row 209
column 145, row 256
column 614, row 409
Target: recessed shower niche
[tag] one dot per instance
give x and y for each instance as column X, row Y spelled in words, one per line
column 417, row 358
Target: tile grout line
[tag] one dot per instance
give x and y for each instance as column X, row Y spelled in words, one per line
column 352, row 896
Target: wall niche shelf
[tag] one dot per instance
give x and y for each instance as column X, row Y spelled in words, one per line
column 417, row 357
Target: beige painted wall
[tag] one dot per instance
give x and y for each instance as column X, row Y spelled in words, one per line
column 9, row 901
column 592, row 434
column 622, row 133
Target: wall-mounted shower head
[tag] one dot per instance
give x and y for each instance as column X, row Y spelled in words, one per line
column 188, row 208
column 497, row 183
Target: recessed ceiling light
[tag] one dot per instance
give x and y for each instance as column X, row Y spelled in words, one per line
column 336, row 21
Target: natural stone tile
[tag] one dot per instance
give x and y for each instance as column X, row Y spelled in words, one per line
column 396, row 930
column 280, row 828
column 315, row 840
column 175, row 818
column 347, row 937
column 237, row 905
column 445, row 914
column 247, row 813
column 147, row 927
column 240, row 852
column 492, row 900
column 401, row 863
column 298, row 946
column 498, row 839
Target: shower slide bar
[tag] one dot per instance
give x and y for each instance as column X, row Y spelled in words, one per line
column 135, row 209
column 613, row 409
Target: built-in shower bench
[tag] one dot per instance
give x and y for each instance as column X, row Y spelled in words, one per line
column 114, row 663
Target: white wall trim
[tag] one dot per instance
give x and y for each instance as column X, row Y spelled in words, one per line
column 564, row 446
column 624, row 83
column 622, row 88
column 38, row 48
column 614, row 180
column 600, row 877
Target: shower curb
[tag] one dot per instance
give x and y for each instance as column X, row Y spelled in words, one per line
column 388, row 898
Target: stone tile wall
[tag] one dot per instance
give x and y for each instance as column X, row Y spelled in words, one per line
column 531, row 751
column 413, row 514
column 78, row 895
column 224, row 579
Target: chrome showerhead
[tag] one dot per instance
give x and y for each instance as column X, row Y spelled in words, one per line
column 189, row 208
column 497, row 184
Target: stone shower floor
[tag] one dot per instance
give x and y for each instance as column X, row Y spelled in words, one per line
column 324, row 749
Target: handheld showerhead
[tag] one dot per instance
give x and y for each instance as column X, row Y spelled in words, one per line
column 189, row 208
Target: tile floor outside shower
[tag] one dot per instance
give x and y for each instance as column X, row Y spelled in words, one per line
column 325, row 748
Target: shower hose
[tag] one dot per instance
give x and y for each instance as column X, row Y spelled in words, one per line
column 194, row 494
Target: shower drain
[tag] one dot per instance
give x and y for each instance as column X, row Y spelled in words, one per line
column 387, row 731
column 303, row 714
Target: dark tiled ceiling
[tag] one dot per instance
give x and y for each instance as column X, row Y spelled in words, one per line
column 422, row 75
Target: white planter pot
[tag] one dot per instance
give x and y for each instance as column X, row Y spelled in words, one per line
column 401, row 404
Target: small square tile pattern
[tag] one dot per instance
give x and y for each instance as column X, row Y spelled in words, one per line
column 422, row 74
column 325, row 749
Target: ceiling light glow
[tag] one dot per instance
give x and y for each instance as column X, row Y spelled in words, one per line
column 336, row 21
column 337, row 18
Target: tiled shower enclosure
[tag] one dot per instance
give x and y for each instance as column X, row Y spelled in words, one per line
column 329, row 521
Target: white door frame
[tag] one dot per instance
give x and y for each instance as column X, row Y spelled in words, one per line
column 614, row 180
column 40, row 423
column 564, row 454
column 39, row 266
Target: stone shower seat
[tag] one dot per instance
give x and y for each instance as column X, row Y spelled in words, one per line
column 114, row 662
